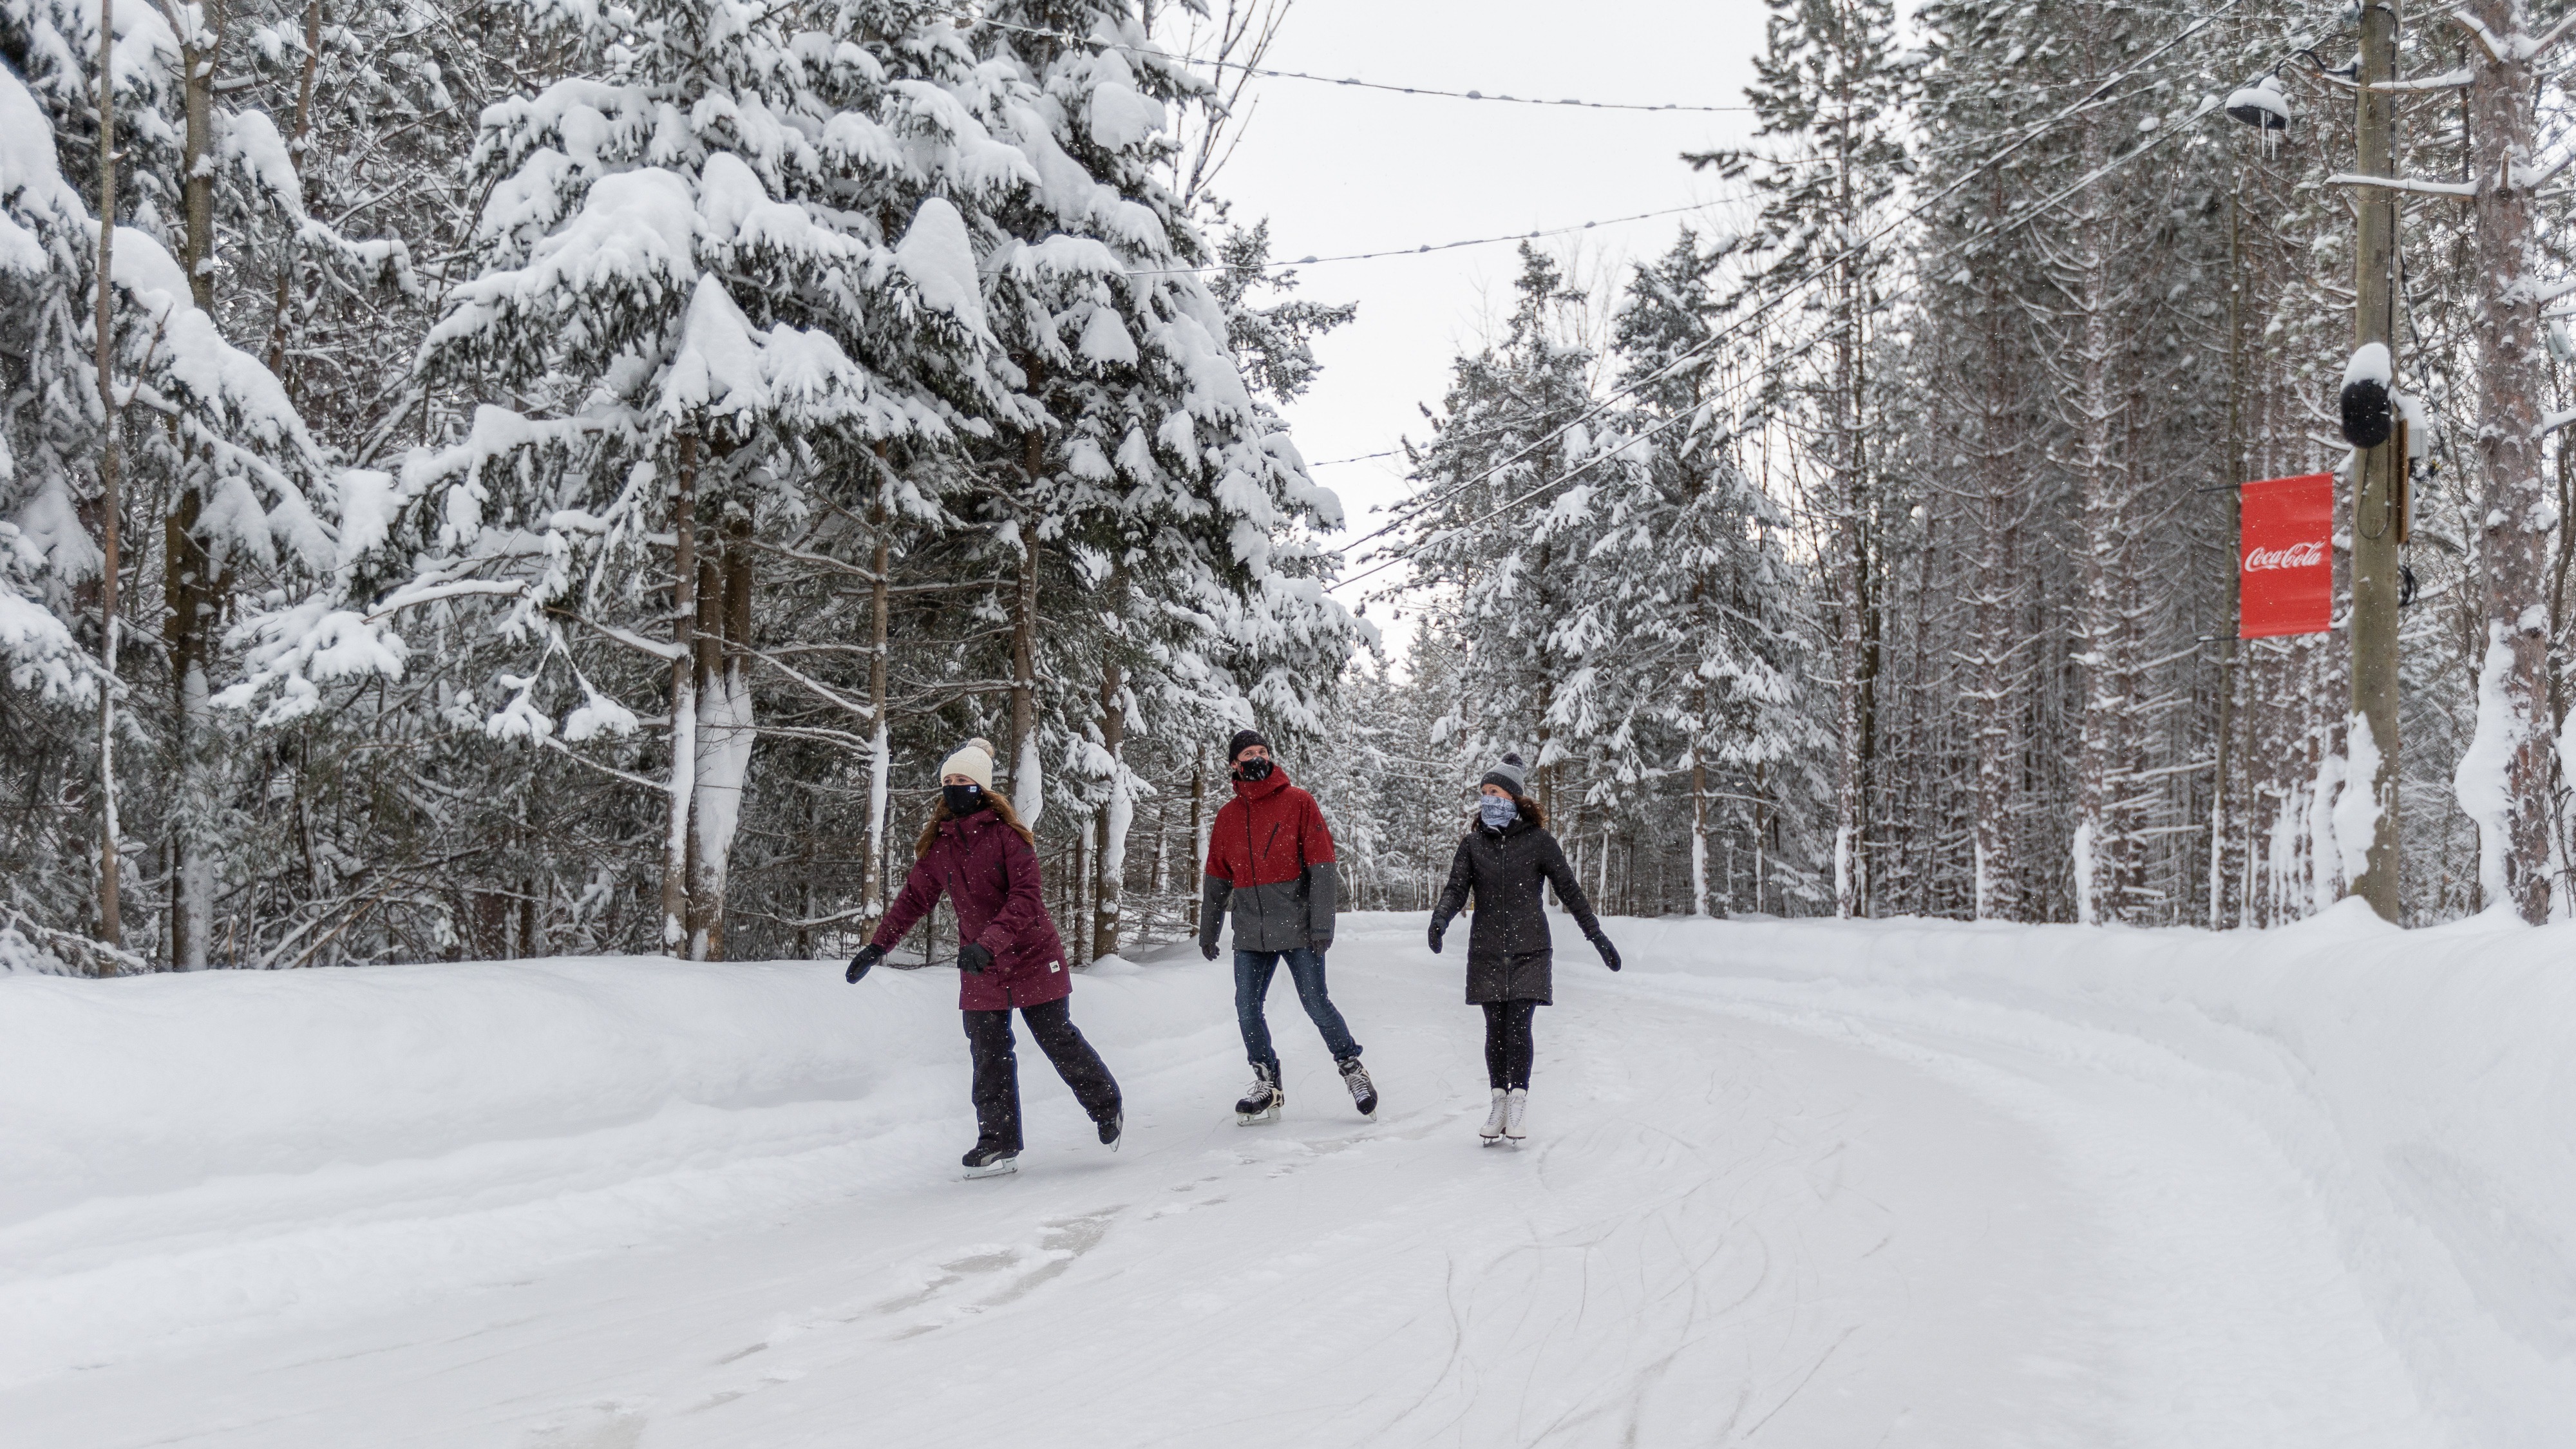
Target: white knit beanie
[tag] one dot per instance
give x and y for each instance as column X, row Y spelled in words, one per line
column 974, row 760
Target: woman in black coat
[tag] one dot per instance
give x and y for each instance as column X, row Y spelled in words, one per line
column 1507, row 860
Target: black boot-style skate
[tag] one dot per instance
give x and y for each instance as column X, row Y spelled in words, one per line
column 1363, row 1091
column 992, row 1159
column 1263, row 1101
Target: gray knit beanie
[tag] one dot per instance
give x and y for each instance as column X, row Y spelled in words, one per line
column 1510, row 774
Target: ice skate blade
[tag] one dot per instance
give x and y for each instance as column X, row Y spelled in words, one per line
column 1503, row 1141
column 999, row 1169
column 1255, row 1119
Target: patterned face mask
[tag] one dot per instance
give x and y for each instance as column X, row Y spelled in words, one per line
column 1497, row 811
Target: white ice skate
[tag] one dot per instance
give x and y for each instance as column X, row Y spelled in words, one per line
column 1492, row 1131
column 1515, row 1113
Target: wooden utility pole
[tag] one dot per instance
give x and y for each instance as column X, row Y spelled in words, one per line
column 2378, row 473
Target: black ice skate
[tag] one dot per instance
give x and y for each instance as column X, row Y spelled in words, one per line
column 1262, row 1103
column 1113, row 1129
column 992, row 1160
column 1363, row 1091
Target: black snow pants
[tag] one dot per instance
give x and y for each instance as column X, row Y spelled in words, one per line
column 997, row 1069
column 1507, row 1042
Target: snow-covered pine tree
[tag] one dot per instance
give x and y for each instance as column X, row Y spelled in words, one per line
column 1832, row 86
column 1143, row 470
column 713, row 279
column 1502, row 522
column 1710, row 618
column 159, row 418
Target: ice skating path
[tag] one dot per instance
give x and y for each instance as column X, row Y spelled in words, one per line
column 1733, row 1223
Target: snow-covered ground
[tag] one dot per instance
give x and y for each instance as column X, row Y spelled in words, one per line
column 1813, row 1184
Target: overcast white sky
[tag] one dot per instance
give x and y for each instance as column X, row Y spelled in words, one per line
column 1339, row 169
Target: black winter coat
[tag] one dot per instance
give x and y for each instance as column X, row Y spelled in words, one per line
column 1509, row 955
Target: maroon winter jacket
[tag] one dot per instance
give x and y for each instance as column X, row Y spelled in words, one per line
column 991, row 877
column 1270, row 857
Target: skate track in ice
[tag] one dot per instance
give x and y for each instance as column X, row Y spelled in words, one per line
column 1778, row 1191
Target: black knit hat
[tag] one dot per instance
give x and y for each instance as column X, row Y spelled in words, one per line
column 1244, row 740
column 1510, row 774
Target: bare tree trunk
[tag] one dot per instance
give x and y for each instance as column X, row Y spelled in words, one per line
column 1028, row 772
column 1852, row 655
column 298, row 141
column 1074, row 882
column 189, row 585
column 2233, row 535
column 1699, row 810
column 872, row 884
column 1198, row 833
column 193, row 595
column 2505, row 779
column 111, row 506
column 684, row 696
column 725, row 730
column 2104, row 754
column 1112, row 870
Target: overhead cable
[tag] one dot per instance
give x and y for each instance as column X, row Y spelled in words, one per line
column 1269, row 73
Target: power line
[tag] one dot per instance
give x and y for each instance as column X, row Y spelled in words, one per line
column 1430, row 248
column 1267, row 73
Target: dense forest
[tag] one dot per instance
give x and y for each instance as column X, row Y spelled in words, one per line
column 523, row 477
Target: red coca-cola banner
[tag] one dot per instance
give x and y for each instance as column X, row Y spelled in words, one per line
column 2286, row 573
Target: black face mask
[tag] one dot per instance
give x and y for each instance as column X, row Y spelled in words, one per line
column 1253, row 769
column 962, row 800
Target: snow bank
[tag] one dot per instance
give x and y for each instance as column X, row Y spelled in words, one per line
column 186, row 1154
column 2422, row 1083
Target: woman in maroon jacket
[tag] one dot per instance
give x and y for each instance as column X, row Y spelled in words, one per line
column 976, row 850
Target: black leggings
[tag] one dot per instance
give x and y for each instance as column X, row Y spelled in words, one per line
column 1507, row 1042
column 997, row 1069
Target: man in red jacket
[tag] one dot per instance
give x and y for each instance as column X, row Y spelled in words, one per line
column 1271, row 858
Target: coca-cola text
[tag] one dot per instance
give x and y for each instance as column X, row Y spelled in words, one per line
column 2297, row 556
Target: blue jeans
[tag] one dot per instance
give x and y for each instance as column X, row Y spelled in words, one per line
column 1252, row 973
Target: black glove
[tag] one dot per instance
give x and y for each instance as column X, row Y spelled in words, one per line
column 1437, row 927
column 1609, row 953
column 972, row 959
column 1207, row 948
column 868, row 956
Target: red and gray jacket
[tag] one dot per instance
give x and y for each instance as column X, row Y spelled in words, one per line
column 1271, row 857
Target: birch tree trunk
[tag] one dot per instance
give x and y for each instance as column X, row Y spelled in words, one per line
column 2103, row 754
column 1028, row 771
column 188, row 586
column 684, row 696
column 1112, row 873
column 872, row 883
column 1198, row 834
column 2505, row 781
column 725, row 732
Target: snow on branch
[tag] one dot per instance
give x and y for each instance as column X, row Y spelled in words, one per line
column 2467, row 189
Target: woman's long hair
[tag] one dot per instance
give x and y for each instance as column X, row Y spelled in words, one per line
column 999, row 803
